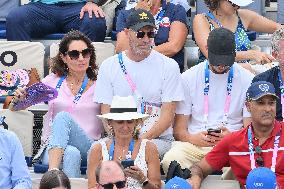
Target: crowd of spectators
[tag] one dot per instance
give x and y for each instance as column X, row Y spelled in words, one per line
column 216, row 114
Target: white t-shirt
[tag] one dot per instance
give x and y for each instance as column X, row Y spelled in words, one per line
column 157, row 79
column 193, row 83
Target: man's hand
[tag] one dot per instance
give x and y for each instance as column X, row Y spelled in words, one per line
column 92, row 8
column 144, row 4
column 202, row 139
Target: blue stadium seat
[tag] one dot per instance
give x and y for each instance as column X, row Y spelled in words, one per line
column 40, row 168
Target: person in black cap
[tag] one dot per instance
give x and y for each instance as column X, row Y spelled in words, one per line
column 172, row 28
column 214, row 102
column 257, row 145
column 151, row 77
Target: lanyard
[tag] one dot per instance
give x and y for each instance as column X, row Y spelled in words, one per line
column 206, row 92
column 81, row 90
column 251, row 152
column 210, row 15
column 130, row 150
column 131, row 84
column 282, row 92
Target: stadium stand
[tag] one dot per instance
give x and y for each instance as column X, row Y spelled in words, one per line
column 280, row 12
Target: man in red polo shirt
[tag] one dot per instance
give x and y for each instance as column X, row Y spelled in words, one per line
column 260, row 144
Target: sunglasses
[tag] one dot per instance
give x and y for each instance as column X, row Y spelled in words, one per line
column 75, row 54
column 119, row 184
column 124, row 121
column 259, row 159
column 233, row 4
column 141, row 34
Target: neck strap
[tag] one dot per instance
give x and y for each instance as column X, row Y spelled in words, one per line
column 210, row 15
column 206, row 94
column 251, row 150
column 81, row 90
column 128, row 155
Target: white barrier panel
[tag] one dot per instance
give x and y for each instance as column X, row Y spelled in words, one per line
column 103, row 51
column 21, row 123
column 22, row 55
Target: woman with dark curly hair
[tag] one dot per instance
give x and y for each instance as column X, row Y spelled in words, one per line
column 227, row 14
column 70, row 126
column 54, row 179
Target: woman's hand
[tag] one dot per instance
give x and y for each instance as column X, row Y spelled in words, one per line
column 20, row 94
column 258, row 57
column 135, row 173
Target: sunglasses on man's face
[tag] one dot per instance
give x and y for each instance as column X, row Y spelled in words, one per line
column 259, row 160
column 75, row 54
column 119, row 184
column 141, row 34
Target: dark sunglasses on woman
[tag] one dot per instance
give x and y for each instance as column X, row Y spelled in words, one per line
column 119, row 184
column 141, row 34
column 74, row 54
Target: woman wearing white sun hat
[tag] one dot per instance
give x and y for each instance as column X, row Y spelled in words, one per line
column 227, row 13
column 124, row 144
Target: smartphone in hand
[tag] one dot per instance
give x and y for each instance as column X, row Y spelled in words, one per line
column 210, row 131
column 127, row 163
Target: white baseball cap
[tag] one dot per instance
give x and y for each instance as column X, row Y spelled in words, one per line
column 242, row 3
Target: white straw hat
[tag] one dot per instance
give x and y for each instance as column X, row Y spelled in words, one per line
column 242, row 3
column 123, row 108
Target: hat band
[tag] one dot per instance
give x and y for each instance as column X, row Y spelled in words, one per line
column 122, row 110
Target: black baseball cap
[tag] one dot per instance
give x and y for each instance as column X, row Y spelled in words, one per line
column 139, row 18
column 221, row 47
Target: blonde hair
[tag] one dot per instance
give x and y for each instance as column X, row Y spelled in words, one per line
column 275, row 38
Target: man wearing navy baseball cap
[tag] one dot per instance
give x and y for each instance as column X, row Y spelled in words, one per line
column 257, row 145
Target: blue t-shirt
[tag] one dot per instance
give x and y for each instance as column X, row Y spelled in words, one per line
column 271, row 76
column 172, row 13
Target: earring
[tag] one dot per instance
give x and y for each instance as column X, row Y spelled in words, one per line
column 111, row 132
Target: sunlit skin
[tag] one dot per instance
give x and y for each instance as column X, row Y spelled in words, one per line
column 81, row 64
column 124, row 129
column 263, row 112
column 110, row 173
column 140, row 47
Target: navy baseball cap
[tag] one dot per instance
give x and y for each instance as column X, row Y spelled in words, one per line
column 177, row 183
column 221, row 47
column 139, row 18
column 261, row 178
column 259, row 89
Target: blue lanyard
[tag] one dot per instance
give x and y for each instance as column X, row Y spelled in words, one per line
column 206, row 92
column 81, row 90
column 275, row 149
column 131, row 84
column 210, row 15
column 130, row 150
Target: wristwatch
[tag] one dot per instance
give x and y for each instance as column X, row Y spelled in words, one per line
column 145, row 182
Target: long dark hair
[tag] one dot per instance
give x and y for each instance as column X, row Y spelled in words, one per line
column 53, row 179
column 212, row 4
column 60, row 68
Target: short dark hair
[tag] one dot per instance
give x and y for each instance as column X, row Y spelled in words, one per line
column 60, row 68
column 53, row 179
column 98, row 170
column 212, row 4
